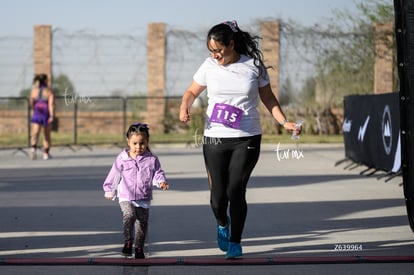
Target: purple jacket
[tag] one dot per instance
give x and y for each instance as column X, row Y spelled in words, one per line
column 132, row 179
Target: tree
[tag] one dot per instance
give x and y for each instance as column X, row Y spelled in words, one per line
column 344, row 50
column 62, row 84
column 25, row 92
column 307, row 95
column 286, row 91
column 349, row 67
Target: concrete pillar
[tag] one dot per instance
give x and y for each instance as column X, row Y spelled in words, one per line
column 42, row 51
column 156, row 58
column 271, row 52
column 383, row 78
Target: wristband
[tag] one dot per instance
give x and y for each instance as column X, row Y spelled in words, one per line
column 284, row 122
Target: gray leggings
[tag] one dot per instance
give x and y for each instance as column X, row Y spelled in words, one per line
column 135, row 221
column 229, row 163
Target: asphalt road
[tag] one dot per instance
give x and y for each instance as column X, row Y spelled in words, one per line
column 305, row 215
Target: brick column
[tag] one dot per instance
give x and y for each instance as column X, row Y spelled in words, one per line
column 156, row 51
column 383, row 68
column 270, row 49
column 42, row 51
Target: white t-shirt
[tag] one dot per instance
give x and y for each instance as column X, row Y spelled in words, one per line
column 237, row 85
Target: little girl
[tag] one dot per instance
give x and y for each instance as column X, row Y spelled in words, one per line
column 130, row 179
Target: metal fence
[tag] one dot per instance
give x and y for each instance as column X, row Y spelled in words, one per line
column 106, row 77
column 88, row 121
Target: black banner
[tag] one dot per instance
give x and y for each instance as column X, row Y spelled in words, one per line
column 404, row 32
column 371, row 131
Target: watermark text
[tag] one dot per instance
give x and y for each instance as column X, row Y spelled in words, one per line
column 286, row 154
column 76, row 98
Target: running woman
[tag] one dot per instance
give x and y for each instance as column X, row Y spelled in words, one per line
column 235, row 77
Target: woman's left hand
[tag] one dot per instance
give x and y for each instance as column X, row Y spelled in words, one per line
column 291, row 126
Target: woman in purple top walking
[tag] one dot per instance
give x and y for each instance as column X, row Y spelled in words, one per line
column 131, row 178
column 42, row 102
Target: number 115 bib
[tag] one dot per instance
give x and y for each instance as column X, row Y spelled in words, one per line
column 227, row 115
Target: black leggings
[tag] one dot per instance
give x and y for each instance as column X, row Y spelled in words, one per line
column 229, row 163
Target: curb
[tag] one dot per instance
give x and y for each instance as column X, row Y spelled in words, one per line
column 207, row 261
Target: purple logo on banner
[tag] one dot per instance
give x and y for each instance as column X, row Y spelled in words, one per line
column 227, row 115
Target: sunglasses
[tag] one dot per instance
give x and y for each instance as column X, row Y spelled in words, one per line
column 140, row 125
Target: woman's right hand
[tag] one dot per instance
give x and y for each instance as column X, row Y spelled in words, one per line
column 185, row 114
column 192, row 92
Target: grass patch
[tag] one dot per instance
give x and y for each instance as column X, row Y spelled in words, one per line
column 311, row 139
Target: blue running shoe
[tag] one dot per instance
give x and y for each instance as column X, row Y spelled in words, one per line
column 234, row 251
column 223, row 236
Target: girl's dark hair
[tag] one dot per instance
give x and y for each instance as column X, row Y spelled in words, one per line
column 244, row 43
column 137, row 128
column 41, row 78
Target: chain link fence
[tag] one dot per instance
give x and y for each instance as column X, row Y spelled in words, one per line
column 100, row 80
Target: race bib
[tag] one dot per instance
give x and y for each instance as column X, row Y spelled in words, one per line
column 227, row 115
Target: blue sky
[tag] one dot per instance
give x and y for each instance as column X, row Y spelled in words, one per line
column 128, row 16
